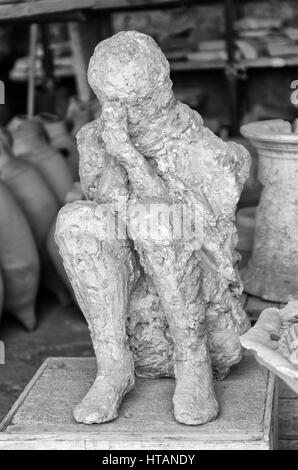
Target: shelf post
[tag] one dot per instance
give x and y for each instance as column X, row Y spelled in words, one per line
column 231, row 71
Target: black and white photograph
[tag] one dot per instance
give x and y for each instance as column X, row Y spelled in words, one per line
column 148, row 228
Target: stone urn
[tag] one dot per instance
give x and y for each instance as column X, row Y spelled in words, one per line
column 272, row 271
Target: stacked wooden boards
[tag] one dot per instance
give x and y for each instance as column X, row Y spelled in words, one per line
column 288, row 400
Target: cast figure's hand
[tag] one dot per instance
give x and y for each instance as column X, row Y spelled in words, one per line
column 115, row 135
column 102, row 178
column 115, row 130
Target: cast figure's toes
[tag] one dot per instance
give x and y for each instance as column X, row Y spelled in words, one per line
column 102, row 402
column 194, row 399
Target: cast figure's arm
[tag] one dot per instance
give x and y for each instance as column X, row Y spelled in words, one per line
column 142, row 177
column 147, row 184
column 92, row 158
column 102, row 178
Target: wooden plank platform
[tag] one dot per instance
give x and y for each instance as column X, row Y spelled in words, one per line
column 42, row 417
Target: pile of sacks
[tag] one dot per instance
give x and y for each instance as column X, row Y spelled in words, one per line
column 38, row 174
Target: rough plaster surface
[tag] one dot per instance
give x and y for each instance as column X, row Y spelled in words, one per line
column 175, row 303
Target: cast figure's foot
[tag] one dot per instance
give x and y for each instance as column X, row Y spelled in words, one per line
column 194, row 399
column 102, row 402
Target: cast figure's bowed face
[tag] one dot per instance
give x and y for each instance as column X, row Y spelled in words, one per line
column 128, row 67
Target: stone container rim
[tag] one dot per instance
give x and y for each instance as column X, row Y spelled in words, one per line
column 272, row 138
column 271, row 130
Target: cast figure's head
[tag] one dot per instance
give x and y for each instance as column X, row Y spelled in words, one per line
column 129, row 67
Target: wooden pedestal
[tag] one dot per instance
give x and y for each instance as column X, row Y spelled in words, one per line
column 42, row 416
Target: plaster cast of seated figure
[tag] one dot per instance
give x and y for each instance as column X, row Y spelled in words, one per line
column 148, row 148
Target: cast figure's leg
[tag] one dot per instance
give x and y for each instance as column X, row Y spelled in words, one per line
column 177, row 277
column 226, row 321
column 101, row 271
